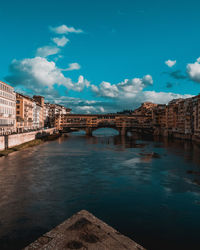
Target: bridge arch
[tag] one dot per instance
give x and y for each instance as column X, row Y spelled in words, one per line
column 90, row 130
column 113, row 130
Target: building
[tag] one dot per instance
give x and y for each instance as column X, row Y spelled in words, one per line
column 39, row 111
column 171, row 115
column 38, row 121
column 196, row 115
column 24, row 112
column 7, row 109
column 159, row 116
column 144, row 113
column 53, row 113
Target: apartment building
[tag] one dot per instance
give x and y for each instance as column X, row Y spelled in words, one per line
column 39, row 111
column 53, row 113
column 38, row 121
column 180, row 118
column 24, row 112
column 196, row 115
column 171, row 115
column 7, row 109
column 144, row 113
column 159, row 115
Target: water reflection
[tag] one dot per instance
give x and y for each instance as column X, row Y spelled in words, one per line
column 146, row 188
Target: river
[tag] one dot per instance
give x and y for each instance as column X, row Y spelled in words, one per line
column 147, row 189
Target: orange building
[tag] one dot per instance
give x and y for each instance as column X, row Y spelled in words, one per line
column 24, row 112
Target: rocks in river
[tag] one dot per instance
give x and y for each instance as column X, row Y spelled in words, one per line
column 197, row 182
column 155, row 155
column 193, row 172
column 151, row 155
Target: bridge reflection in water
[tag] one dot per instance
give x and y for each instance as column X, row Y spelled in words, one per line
column 89, row 123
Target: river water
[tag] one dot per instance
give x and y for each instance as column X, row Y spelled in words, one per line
column 147, row 189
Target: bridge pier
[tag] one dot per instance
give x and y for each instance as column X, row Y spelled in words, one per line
column 88, row 131
column 123, row 131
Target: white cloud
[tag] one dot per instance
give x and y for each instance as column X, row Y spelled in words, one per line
column 87, row 109
column 170, row 63
column 64, row 29
column 125, row 89
column 95, row 88
column 81, row 84
column 47, row 51
column 130, row 93
column 60, row 41
column 160, row 97
column 79, row 105
column 113, row 105
column 40, row 75
column 72, row 66
column 102, row 109
column 147, row 79
column 105, row 89
column 193, row 70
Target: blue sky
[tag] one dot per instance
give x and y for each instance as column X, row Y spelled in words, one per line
column 101, row 56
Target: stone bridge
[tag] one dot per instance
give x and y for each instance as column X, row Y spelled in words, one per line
column 90, row 123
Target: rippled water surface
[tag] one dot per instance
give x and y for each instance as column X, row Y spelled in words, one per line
column 147, row 189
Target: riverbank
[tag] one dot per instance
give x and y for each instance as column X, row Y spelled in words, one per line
column 29, row 144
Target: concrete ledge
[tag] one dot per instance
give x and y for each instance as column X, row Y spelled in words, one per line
column 84, row 231
column 9, row 141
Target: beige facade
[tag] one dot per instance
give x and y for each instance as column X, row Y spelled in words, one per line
column 171, row 114
column 159, row 115
column 7, row 109
column 196, row 115
column 181, row 118
column 24, row 112
column 144, row 113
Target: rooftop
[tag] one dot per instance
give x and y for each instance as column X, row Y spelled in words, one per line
column 6, row 84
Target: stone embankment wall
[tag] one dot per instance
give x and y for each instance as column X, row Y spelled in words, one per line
column 9, row 141
column 14, row 140
column 173, row 134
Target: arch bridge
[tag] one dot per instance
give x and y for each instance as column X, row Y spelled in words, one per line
column 90, row 123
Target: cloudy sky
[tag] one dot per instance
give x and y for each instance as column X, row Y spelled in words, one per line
column 101, row 56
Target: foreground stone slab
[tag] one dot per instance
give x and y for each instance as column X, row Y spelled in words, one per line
column 84, row 231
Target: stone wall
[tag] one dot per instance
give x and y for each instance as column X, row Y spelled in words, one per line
column 17, row 139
